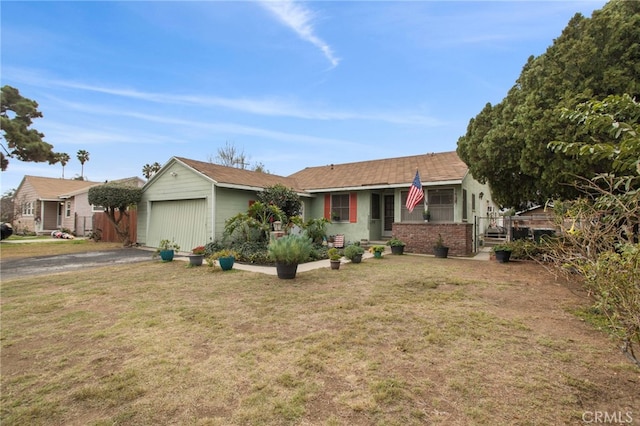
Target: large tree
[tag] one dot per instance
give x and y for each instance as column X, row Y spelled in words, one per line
column 506, row 144
column 116, row 199
column 21, row 141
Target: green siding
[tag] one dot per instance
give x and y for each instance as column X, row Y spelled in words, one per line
column 184, row 185
column 230, row 202
column 183, row 221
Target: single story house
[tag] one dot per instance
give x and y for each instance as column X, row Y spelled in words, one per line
column 43, row 205
column 189, row 201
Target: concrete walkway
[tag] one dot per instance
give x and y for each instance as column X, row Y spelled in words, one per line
column 483, row 254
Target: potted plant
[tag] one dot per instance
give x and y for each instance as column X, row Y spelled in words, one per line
column 196, row 256
column 426, row 215
column 334, row 257
column 397, row 245
column 439, row 249
column 166, row 250
column 287, row 252
column 502, row 252
column 225, row 257
column 354, row 253
column 377, row 251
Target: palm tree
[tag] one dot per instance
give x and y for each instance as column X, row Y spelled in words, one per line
column 83, row 157
column 149, row 170
column 63, row 158
column 146, row 171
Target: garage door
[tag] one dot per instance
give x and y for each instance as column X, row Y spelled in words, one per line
column 184, row 221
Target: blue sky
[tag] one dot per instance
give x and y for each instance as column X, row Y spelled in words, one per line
column 292, row 84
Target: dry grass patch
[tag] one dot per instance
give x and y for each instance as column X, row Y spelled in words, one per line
column 402, row 340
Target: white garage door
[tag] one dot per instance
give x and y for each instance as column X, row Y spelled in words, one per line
column 184, row 221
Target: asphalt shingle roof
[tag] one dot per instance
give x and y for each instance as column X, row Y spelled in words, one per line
column 437, row 167
column 52, row 188
column 235, row 176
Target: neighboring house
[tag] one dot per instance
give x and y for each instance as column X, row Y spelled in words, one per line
column 46, row 204
column 189, row 201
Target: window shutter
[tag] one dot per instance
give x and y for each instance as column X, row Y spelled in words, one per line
column 327, row 206
column 353, row 207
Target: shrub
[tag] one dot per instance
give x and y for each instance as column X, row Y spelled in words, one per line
column 352, row 250
column 290, row 249
column 334, row 253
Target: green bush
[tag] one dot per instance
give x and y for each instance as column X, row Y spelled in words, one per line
column 316, row 229
column 318, row 252
column 290, row 249
column 524, row 249
column 252, row 252
column 352, row 250
column 613, row 281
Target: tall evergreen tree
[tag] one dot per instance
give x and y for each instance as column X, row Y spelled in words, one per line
column 21, row 141
column 506, row 144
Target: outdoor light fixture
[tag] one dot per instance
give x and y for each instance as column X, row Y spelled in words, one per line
column 174, row 174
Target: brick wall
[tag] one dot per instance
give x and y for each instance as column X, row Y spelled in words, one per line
column 421, row 237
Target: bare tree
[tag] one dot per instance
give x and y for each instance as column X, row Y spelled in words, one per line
column 231, row 156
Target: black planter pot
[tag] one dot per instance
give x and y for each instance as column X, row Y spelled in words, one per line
column 502, row 256
column 441, row 252
column 357, row 258
column 286, row 271
column 397, row 249
column 335, row 264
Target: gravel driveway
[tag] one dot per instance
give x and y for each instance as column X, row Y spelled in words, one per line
column 15, row 268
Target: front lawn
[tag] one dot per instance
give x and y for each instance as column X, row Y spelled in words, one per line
column 401, row 340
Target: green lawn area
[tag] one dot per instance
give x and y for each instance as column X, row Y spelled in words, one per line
column 396, row 341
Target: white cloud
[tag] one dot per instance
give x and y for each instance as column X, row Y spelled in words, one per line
column 300, row 20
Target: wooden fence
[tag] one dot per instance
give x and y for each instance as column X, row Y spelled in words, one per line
column 104, row 227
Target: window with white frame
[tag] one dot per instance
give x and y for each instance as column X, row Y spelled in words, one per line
column 441, row 203
column 27, row 208
column 67, row 208
column 415, row 215
column 340, row 207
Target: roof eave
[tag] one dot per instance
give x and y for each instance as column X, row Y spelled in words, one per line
column 384, row 186
column 252, row 188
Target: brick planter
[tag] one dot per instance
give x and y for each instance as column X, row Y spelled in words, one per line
column 421, row 237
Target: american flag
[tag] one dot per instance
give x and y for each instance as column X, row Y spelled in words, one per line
column 415, row 193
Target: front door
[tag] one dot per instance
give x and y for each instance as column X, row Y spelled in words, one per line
column 389, row 208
